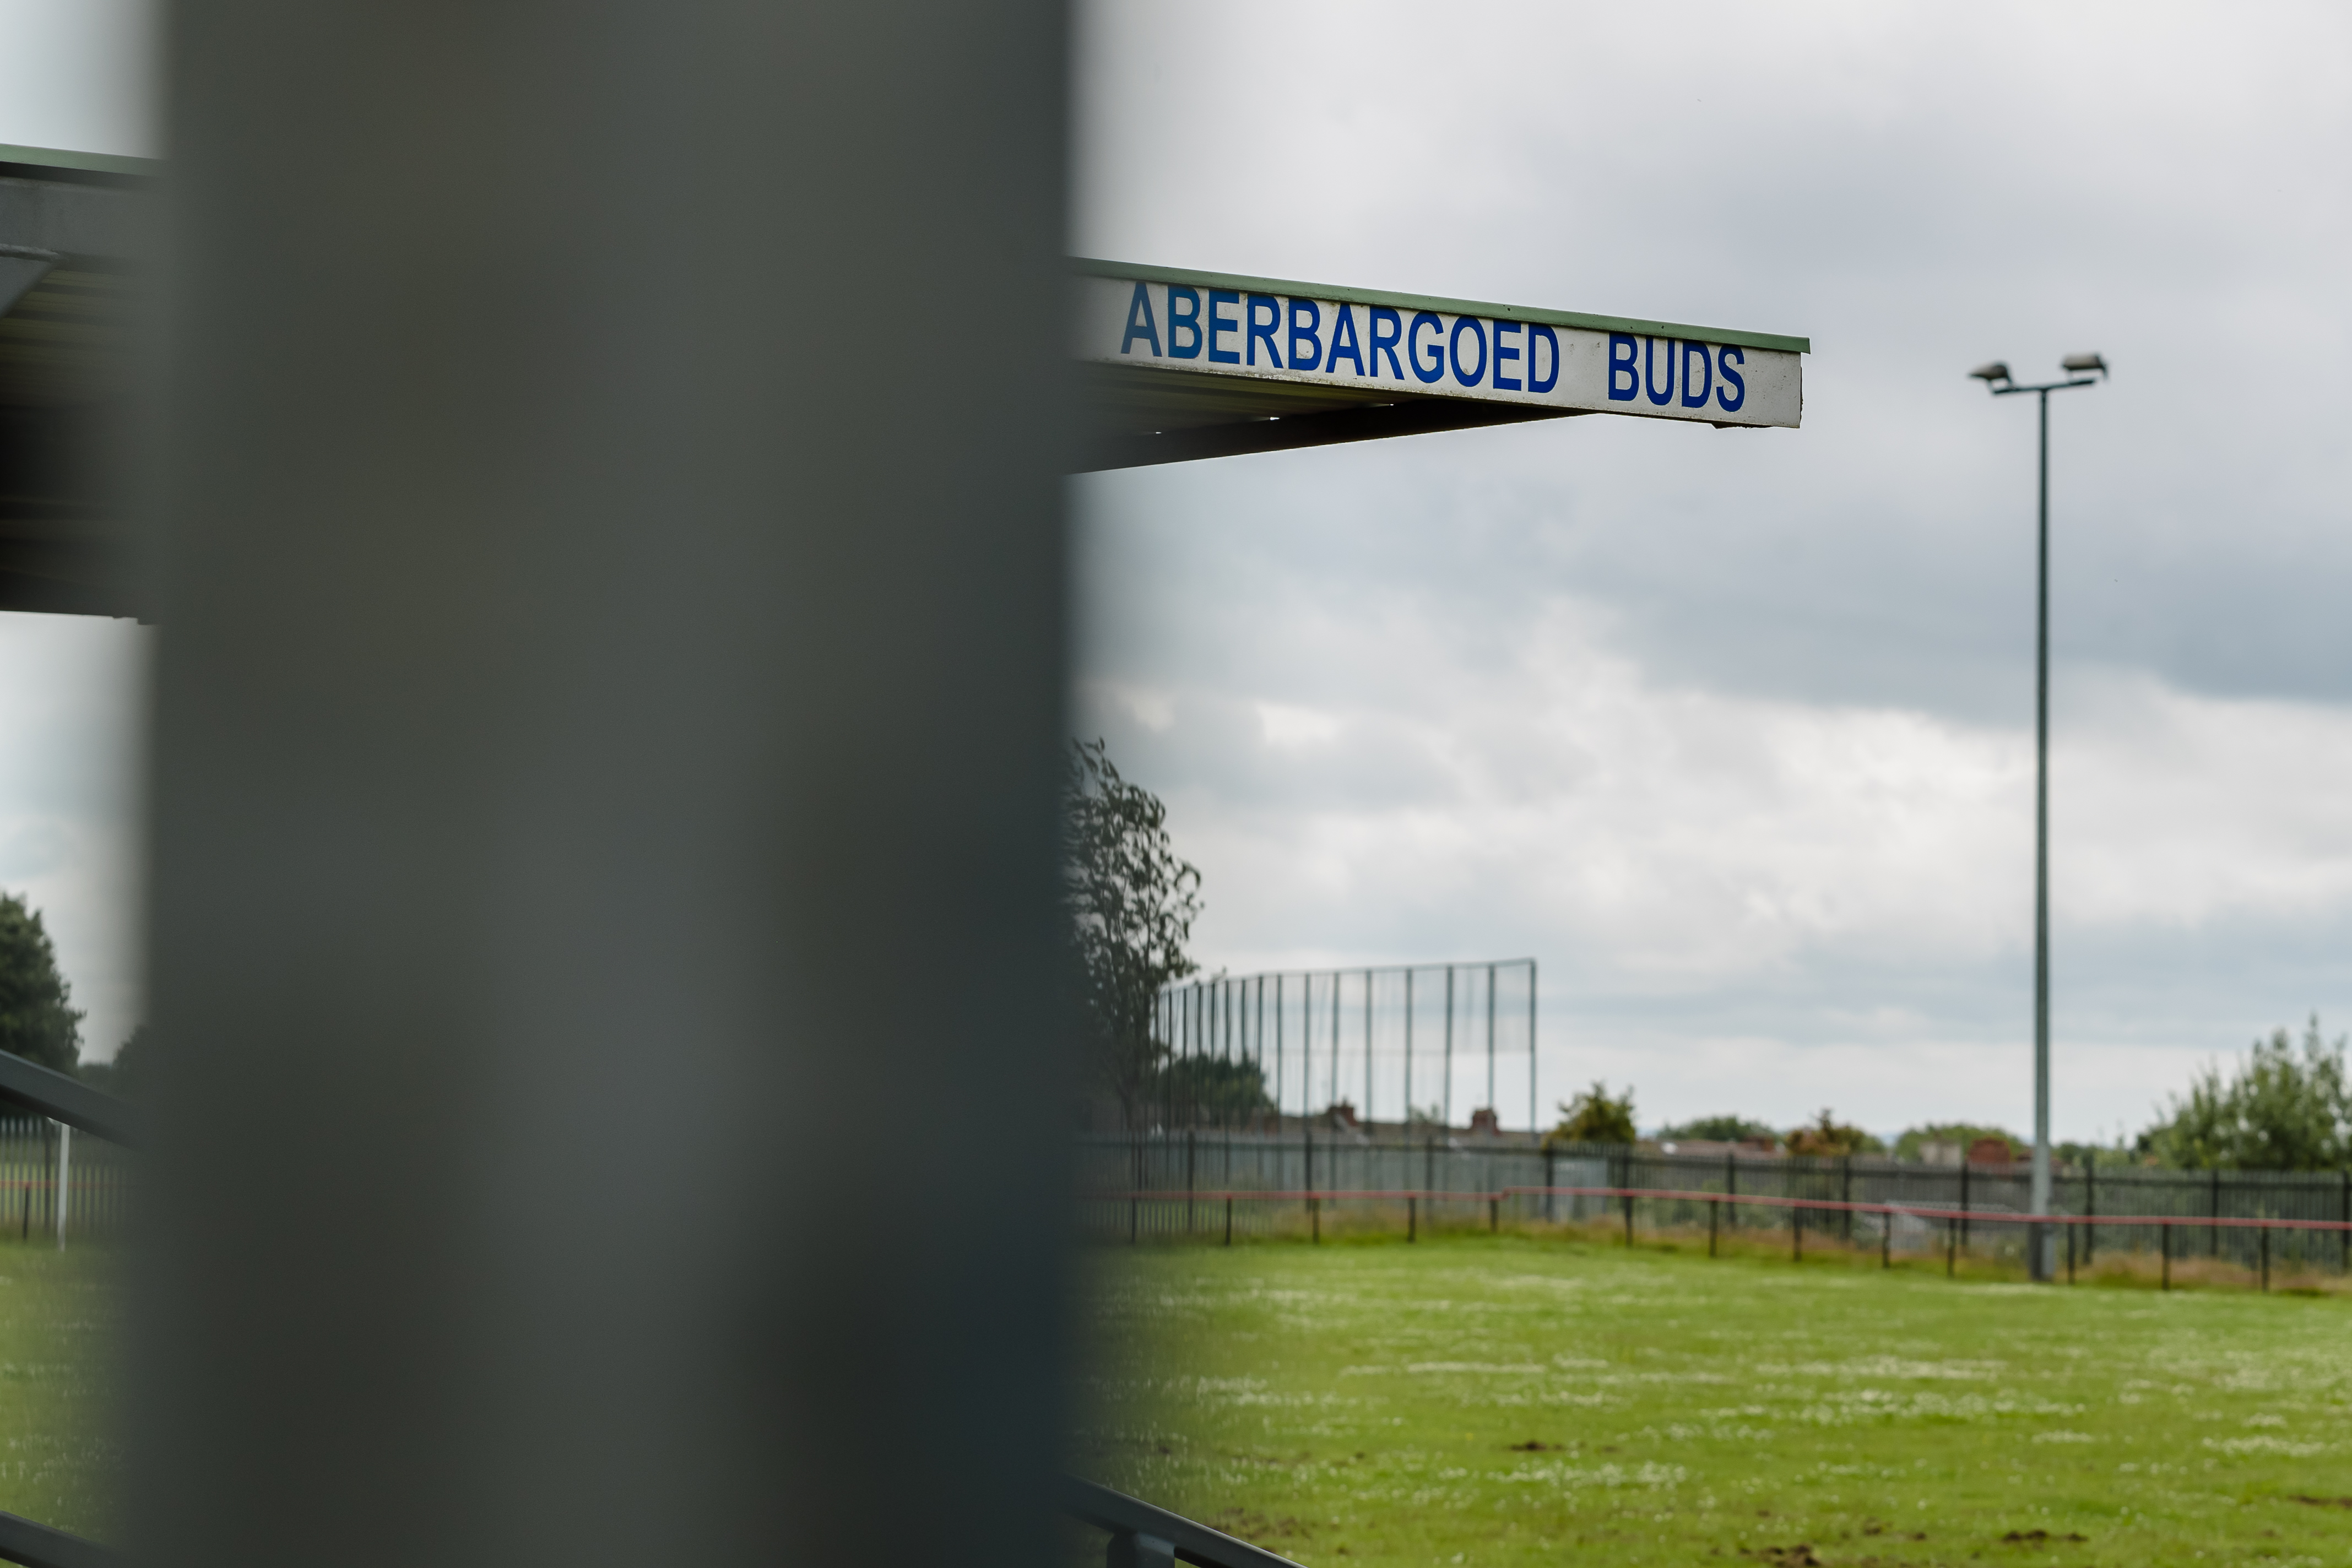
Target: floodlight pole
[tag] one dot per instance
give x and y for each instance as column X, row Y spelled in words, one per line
column 2037, row 1246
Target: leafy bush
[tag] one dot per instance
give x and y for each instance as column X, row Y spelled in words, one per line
column 1830, row 1138
column 1594, row 1117
column 1721, row 1130
column 2282, row 1110
column 1912, row 1143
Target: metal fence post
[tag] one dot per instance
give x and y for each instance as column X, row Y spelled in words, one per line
column 1886, row 1239
column 2164, row 1239
column 1951, row 1249
column 1796, row 1233
column 2070, row 1253
column 1411, row 1219
column 1551, row 1156
column 1229, row 1219
column 2214, row 1207
column 1188, row 1180
column 65, row 1179
column 1133, row 1549
column 2266, row 1259
column 1845, row 1193
column 1628, row 1201
column 1714, row 1221
column 2090, row 1207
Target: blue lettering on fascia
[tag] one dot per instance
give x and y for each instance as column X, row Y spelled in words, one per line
column 1436, row 368
column 1661, row 396
column 1624, row 359
column 1694, row 391
column 1185, row 321
column 1537, row 383
column 1219, row 325
column 1139, row 323
column 1306, row 327
column 1343, row 340
column 1264, row 331
column 1733, row 392
column 1386, row 342
column 1477, row 330
column 1506, row 351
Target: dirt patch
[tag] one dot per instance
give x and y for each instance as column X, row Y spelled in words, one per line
column 1259, row 1528
column 1533, row 1446
column 1800, row 1555
column 2322, row 1501
column 2037, row 1537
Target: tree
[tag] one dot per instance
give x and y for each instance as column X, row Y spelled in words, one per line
column 36, row 1021
column 2281, row 1110
column 1593, row 1117
column 125, row 1077
column 1720, row 1130
column 1830, row 1138
column 1133, row 903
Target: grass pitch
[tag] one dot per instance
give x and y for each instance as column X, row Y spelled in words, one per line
column 1487, row 1400
column 60, row 1321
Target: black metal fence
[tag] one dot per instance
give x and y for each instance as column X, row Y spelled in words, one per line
column 1451, row 1177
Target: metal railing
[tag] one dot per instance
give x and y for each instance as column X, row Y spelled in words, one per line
column 77, row 1105
column 1142, row 1536
column 1122, row 1214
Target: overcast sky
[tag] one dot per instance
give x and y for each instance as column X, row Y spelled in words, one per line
column 77, row 74
column 1732, row 729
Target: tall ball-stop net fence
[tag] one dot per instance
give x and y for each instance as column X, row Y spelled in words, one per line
column 1427, row 1046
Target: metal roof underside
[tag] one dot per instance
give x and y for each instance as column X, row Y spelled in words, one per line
column 1142, row 415
column 72, row 230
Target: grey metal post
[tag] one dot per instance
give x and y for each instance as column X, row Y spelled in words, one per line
column 1408, row 1052
column 1335, row 1037
column 601, row 609
column 1445, row 1111
column 2039, row 1259
column 1490, row 1046
column 2040, row 1244
column 1368, row 1053
column 1535, row 1106
column 1277, row 1053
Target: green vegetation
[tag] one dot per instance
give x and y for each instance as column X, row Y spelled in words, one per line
column 2280, row 1110
column 1131, row 904
column 59, row 1321
column 1913, row 1139
column 1829, row 1138
column 1724, row 1129
column 1482, row 1400
column 1594, row 1117
column 37, row 1020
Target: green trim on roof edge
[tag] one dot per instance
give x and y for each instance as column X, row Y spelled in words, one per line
column 85, row 162
column 1090, row 268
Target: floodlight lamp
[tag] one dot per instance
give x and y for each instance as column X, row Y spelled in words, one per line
column 1998, row 370
column 2083, row 364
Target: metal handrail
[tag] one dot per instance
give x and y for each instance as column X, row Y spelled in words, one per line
column 38, row 1545
column 68, row 1100
column 1142, row 1536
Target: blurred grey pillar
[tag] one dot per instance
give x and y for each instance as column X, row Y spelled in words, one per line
column 607, row 757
